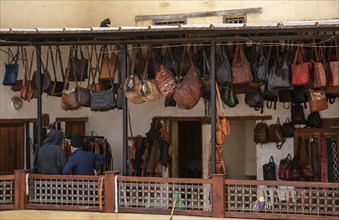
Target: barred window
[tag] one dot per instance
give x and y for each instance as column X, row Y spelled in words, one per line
column 235, row 20
column 169, row 22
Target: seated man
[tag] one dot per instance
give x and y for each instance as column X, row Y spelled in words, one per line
column 82, row 162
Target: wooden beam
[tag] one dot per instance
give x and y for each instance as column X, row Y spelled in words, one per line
column 208, row 119
column 182, row 16
column 72, row 119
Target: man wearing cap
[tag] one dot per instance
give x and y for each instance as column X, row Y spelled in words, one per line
column 82, row 162
column 51, row 158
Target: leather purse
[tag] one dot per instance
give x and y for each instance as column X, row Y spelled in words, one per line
column 275, row 134
column 108, row 64
column 314, row 120
column 241, row 69
column 260, row 67
column 285, row 168
column 297, row 114
column 254, row 98
column 287, row 128
column 148, row 90
column 103, row 100
column 269, row 170
column 165, row 81
column 27, row 90
column 11, row 69
column 279, row 77
column 319, row 74
column 228, row 95
column 77, row 67
column 285, row 97
column 83, row 96
column 189, row 90
column 301, row 70
column 296, row 162
column 69, row 100
column 317, row 100
column 260, row 133
column 223, row 72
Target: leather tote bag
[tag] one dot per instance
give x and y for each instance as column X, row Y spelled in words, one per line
column 103, row 100
column 317, row 100
column 254, row 98
column 279, row 77
column 222, row 67
column 260, row 67
column 287, row 128
column 300, row 69
column 319, row 73
column 164, row 78
column 297, row 114
column 27, row 90
column 11, row 69
column 108, row 64
column 241, row 69
column 285, row 168
column 275, row 134
column 189, row 90
column 77, row 67
column 56, row 87
column 228, row 96
column 269, row 170
column 334, row 68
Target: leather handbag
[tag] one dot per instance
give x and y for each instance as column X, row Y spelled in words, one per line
column 223, row 72
column 148, row 90
column 77, row 67
column 69, row 100
column 27, row 90
column 287, row 128
column 334, row 69
column 93, row 71
column 11, row 69
column 108, row 64
column 279, row 77
column 269, row 170
column 254, row 97
column 17, row 86
column 307, row 170
column 103, row 100
column 132, row 84
column 285, row 97
column 297, row 114
column 241, row 69
column 319, row 73
column 45, row 76
column 165, row 81
column 299, row 95
column 83, row 96
column 228, row 95
column 271, row 98
column 296, row 162
column 56, row 87
column 285, row 168
column 260, row 133
column 314, row 120
column 189, row 90
column 275, row 134
column 170, row 102
column 260, row 67
column 300, row 69
column 317, row 100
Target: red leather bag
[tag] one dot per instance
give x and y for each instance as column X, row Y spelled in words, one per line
column 300, row 70
column 241, row 69
column 165, row 81
column 285, row 168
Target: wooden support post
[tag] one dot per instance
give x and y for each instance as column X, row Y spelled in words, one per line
column 110, row 190
column 20, row 189
column 218, row 195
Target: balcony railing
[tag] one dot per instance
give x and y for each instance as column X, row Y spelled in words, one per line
column 214, row 197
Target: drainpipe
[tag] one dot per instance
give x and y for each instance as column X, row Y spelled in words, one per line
column 213, row 106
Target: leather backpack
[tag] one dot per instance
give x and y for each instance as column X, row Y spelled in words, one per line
column 297, row 114
column 275, row 134
column 261, row 133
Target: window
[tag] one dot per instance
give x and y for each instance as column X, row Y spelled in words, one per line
column 169, row 22
column 235, row 20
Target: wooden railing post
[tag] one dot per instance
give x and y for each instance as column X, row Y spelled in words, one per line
column 110, row 190
column 218, row 195
column 20, row 200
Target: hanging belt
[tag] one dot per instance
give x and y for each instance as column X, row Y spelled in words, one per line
column 334, row 159
column 330, row 171
column 317, row 160
column 323, row 154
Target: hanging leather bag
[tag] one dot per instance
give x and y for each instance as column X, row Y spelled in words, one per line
column 317, row 100
column 314, row 120
column 307, row 170
column 285, row 97
column 319, row 74
column 77, row 67
column 279, row 77
column 27, row 90
column 11, row 69
column 223, row 72
column 228, row 96
column 299, row 95
column 300, row 69
column 56, row 87
column 254, row 98
column 260, row 67
column 241, row 69
column 297, row 114
column 164, row 78
column 288, row 129
column 108, row 64
column 334, row 68
column 275, row 134
column 296, row 162
column 285, row 168
column 269, row 170
column 103, row 100
column 189, row 90
column 260, row 133
column 271, row 98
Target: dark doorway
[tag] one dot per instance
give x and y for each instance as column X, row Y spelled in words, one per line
column 190, row 149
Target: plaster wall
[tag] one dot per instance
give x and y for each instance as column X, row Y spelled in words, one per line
column 28, row 14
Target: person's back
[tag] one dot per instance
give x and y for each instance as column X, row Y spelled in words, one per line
column 82, row 162
column 51, row 158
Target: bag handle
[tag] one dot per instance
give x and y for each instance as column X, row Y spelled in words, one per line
column 97, row 67
column 271, row 159
column 53, row 65
column 90, row 59
column 24, row 64
column 58, row 53
column 181, row 67
column 30, row 67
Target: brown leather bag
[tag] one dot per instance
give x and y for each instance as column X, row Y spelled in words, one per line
column 69, row 100
column 27, row 90
column 165, row 81
column 108, row 65
column 300, row 69
column 241, row 69
column 189, row 90
column 83, row 97
column 319, row 70
column 317, row 100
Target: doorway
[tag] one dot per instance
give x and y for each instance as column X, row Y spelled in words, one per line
column 190, row 149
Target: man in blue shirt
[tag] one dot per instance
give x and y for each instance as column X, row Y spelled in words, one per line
column 82, row 162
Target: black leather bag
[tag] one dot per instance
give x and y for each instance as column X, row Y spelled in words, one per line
column 285, row 97
column 279, row 77
column 314, row 120
column 78, row 67
column 228, row 96
column 299, row 95
column 103, row 100
column 170, row 102
column 271, row 96
column 260, row 68
column 223, row 68
column 269, row 170
column 288, row 128
column 297, row 114
column 120, row 97
column 254, row 98
column 83, row 96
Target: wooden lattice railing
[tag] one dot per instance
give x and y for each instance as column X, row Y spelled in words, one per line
column 65, row 192
column 157, row 195
column 7, row 188
column 271, row 199
column 215, row 197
